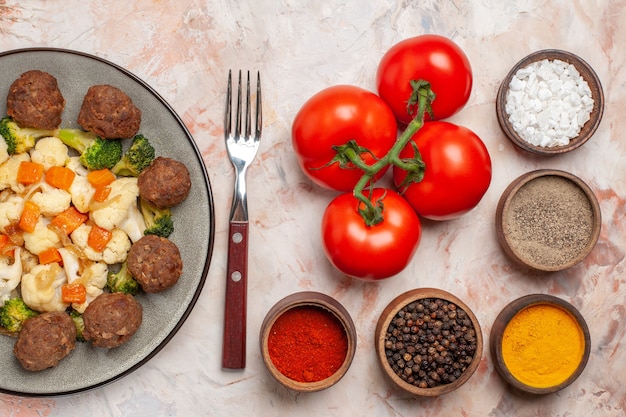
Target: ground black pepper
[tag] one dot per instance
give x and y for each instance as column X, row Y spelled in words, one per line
column 549, row 221
column 430, row 342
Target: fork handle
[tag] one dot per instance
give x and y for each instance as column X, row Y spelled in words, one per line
column 234, row 342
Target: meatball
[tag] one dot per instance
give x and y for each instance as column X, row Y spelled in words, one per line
column 35, row 101
column 45, row 340
column 155, row 263
column 109, row 113
column 165, row 183
column 111, row 319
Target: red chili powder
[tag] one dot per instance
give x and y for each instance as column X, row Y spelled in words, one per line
column 307, row 344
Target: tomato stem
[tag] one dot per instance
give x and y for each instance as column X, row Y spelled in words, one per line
column 350, row 154
column 423, row 96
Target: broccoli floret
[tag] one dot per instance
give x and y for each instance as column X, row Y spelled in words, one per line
column 122, row 281
column 137, row 158
column 14, row 313
column 20, row 139
column 158, row 221
column 77, row 318
column 95, row 152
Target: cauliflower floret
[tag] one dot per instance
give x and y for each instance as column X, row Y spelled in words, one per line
column 124, row 193
column 92, row 275
column 41, row 238
column 8, row 172
column 94, row 278
column 134, row 224
column 29, row 261
column 82, row 192
column 10, row 274
column 51, row 200
column 41, row 288
column 114, row 252
column 4, row 151
column 74, row 164
column 117, row 249
column 50, row 152
column 80, row 237
column 11, row 207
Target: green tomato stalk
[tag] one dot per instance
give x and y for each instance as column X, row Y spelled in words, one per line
column 421, row 99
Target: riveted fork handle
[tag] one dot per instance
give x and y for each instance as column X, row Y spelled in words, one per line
column 234, row 348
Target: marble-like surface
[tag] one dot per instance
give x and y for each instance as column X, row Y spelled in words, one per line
column 184, row 48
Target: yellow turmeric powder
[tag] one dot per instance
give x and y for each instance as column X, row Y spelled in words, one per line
column 542, row 345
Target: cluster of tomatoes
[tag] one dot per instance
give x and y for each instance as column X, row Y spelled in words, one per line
column 343, row 131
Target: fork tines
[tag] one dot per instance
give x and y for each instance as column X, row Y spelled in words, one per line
column 248, row 116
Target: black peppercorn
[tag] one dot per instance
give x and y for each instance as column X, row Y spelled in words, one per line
column 430, row 342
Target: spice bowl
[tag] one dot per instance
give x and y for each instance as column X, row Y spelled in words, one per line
column 428, row 342
column 548, row 220
column 308, row 341
column 539, row 343
column 549, row 98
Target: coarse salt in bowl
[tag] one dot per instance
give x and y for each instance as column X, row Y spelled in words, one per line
column 550, row 102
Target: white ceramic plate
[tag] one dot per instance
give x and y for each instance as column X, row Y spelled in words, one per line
column 163, row 314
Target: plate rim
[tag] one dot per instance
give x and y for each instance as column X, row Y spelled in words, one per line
column 211, row 237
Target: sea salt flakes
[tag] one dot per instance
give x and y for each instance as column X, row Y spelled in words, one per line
column 548, row 103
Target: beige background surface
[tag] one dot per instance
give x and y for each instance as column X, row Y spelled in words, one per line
column 184, row 49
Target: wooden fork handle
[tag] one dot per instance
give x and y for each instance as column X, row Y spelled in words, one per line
column 234, row 342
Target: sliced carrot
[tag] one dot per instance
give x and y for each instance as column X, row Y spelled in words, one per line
column 5, row 243
column 49, row 256
column 69, row 220
column 102, row 193
column 100, row 177
column 98, row 238
column 29, row 172
column 60, row 177
column 30, row 217
column 11, row 239
column 73, row 293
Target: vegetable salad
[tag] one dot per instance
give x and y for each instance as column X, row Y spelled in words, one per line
column 62, row 226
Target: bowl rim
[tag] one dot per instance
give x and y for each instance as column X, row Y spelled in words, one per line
column 509, row 193
column 505, row 316
column 589, row 128
column 383, row 323
column 314, row 299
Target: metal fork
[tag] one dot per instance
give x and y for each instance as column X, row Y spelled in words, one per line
column 242, row 148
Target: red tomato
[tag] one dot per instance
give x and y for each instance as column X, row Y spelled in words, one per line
column 457, row 171
column 432, row 58
column 370, row 252
column 335, row 116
